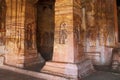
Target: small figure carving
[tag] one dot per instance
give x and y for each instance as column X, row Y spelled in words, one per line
column 77, row 33
column 29, row 36
column 63, row 33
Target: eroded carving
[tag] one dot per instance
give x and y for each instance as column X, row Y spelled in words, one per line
column 29, row 31
column 63, row 33
column 77, row 33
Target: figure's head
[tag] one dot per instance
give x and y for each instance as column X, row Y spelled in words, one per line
column 63, row 25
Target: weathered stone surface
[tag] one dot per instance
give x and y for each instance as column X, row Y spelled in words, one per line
column 14, row 31
column 70, row 29
column 69, row 70
column 20, row 45
column 100, row 29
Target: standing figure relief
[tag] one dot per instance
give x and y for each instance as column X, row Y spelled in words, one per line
column 62, row 33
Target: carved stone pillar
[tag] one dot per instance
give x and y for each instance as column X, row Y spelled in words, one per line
column 20, row 34
column 68, row 58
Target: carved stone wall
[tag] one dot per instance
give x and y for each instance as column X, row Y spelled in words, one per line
column 15, row 32
column 79, row 28
column 100, row 33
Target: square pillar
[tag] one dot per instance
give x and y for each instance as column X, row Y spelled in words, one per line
column 20, row 34
column 68, row 57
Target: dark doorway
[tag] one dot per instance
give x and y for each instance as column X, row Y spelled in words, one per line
column 118, row 12
column 45, row 28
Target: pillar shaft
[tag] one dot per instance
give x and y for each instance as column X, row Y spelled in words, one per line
column 20, row 33
column 68, row 37
column 63, row 39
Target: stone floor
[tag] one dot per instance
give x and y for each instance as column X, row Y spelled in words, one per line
column 99, row 75
column 103, row 76
column 10, row 75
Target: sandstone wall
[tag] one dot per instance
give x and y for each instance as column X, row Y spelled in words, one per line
column 100, row 30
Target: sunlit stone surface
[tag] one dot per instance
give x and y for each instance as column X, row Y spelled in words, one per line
column 20, row 44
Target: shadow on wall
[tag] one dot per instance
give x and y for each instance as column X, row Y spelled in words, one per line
column 45, row 28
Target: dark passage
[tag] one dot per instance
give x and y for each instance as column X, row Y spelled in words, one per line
column 118, row 10
column 45, row 28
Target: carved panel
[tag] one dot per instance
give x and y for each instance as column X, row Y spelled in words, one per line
column 62, row 33
column 100, row 32
column 29, row 37
column 99, row 16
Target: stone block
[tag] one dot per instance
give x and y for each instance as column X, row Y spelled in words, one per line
column 69, row 70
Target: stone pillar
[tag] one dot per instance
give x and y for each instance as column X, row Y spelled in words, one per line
column 20, row 34
column 31, row 55
column 68, row 58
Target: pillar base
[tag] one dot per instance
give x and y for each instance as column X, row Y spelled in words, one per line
column 33, row 59
column 24, row 61
column 69, row 70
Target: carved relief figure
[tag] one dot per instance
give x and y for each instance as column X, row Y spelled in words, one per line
column 29, row 36
column 77, row 33
column 63, row 33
